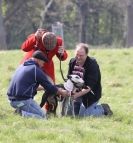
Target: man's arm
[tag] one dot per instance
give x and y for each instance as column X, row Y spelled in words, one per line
column 82, row 92
column 29, row 43
column 60, row 91
column 92, row 75
column 47, row 85
column 32, row 40
column 61, row 54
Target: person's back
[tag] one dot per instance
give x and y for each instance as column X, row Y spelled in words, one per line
column 24, row 84
column 92, row 78
column 24, row 81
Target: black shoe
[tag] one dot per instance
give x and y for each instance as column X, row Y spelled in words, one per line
column 107, row 110
column 18, row 111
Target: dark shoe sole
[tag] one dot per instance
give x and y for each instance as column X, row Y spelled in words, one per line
column 107, row 110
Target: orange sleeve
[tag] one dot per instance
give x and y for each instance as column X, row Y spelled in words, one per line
column 29, row 43
column 65, row 55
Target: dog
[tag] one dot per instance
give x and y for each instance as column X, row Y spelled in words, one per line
column 74, row 84
column 50, row 102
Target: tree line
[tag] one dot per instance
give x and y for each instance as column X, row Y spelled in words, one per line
column 96, row 22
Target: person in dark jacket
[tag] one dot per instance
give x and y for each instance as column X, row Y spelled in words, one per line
column 87, row 68
column 24, row 84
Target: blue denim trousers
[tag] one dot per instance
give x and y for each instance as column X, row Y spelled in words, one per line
column 95, row 110
column 29, row 108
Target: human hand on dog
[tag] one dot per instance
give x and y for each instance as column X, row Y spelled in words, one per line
column 82, row 92
column 86, row 89
column 62, row 92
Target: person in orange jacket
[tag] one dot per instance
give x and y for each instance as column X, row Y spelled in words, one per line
column 50, row 45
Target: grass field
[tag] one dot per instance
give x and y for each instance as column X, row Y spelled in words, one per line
column 117, row 81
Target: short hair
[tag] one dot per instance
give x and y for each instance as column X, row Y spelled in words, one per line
column 49, row 40
column 84, row 46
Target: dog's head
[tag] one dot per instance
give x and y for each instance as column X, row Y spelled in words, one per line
column 73, row 81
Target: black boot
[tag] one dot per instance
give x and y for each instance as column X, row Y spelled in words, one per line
column 107, row 110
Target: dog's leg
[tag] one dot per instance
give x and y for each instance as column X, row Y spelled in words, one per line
column 52, row 104
column 68, row 107
column 44, row 99
column 65, row 103
column 73, row 111
column 49, row 103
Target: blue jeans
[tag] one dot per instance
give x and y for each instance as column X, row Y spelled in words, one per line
column 29, row 108
column 93, row 110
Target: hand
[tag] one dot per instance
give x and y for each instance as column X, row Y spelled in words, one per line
column 63, row 92
column 82, row 92
column 40, row 88
column 61, row 50
column 39, row 33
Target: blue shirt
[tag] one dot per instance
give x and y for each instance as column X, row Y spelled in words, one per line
column 26, row 80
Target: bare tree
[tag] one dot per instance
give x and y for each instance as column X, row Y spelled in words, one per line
column 46, row 6
column 130, row 25
column 3, row 44
column 83, row 10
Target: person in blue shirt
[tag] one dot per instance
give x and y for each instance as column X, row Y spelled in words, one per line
column 24, row 85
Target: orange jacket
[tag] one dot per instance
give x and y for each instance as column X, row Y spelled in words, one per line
column 30, row 45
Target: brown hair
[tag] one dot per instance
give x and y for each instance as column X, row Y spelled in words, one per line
column 84, row 46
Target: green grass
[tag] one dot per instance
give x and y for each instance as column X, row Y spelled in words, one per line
column 117, row 81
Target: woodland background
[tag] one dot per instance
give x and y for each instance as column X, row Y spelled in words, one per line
column 97, row 22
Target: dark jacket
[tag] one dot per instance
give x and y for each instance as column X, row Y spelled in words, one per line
column 92, row 78
column 26, row 80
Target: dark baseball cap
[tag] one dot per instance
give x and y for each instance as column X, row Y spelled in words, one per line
column 39, row 55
